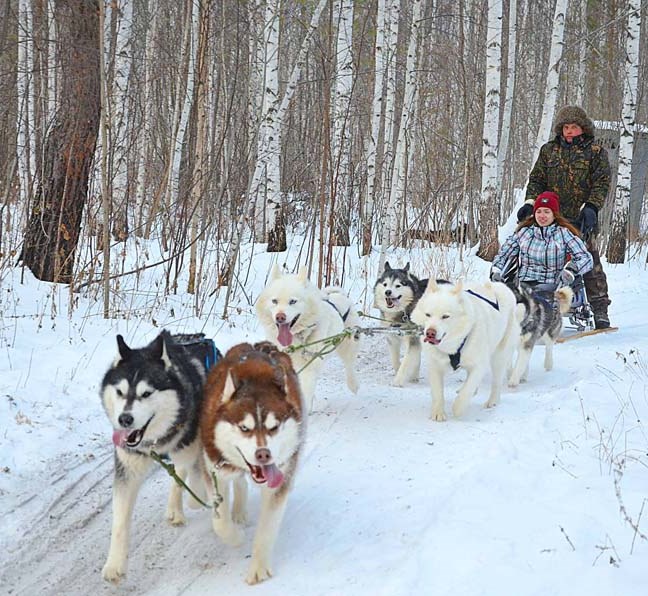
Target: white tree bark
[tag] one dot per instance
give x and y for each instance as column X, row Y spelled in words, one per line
column 376, row 117
column 391, row 43
column 551, row 84
column 343, row 13
column 488, row 211
column 619, row 222
column 582, row 52
column 25, row 108
column 508, row 95
column 391, row 231
column 266, row 189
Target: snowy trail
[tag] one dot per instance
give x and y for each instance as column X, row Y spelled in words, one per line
column 385, row 502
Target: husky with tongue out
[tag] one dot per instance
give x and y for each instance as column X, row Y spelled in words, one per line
column 251, row 425
column 153, row 396
column 295, row 312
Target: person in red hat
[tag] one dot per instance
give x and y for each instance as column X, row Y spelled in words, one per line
column 547, row 247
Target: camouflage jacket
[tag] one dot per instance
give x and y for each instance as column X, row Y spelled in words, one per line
column 577, row 173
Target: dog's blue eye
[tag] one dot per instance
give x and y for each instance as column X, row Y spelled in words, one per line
column 244, row 428
column 292, row 301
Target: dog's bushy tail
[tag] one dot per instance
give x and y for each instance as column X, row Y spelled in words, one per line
column 564, row 297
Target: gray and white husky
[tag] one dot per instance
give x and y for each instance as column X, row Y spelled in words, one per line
column 396, row 293
column 542, row 319
column 153, row 397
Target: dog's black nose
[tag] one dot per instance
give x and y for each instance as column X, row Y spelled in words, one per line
column 387, row 292
column 125, row 419
column 263, row 455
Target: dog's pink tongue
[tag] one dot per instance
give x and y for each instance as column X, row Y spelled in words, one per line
column 120, row 437
column 274, row 476
column 284, row 337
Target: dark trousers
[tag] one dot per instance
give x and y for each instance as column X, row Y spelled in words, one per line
column 596, row 281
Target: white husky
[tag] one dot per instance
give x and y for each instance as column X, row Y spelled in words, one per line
column 474, row 327
column 293, row 312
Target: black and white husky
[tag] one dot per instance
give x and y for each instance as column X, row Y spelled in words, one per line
column 396, row 293
column 542, row 319
column 153, row 397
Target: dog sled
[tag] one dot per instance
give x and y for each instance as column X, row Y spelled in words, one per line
column 580, row 314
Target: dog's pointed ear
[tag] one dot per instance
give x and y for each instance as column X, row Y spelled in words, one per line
column 406, row 268
column 302, row 276
column 229, row 389
column 124, row 351
column 275, row 272
column 458, row 288
column 432, row 286
column 387, row 266
column 159, row 350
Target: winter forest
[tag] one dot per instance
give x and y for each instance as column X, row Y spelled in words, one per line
column 202, row 124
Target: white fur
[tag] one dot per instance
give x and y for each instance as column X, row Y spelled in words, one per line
column 295, row 296
column 490, row 337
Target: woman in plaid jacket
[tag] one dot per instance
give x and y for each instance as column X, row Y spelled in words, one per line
column 547, row 246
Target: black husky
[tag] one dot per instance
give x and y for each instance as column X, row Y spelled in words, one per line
column 153, row 397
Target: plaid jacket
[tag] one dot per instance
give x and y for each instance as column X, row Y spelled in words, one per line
column 542, row 253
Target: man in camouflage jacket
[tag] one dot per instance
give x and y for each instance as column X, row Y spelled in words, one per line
column 578, row 171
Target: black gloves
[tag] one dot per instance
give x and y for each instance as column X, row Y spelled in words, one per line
column 524, row 212
column 587, row 218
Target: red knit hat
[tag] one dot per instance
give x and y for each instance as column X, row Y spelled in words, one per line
column 547, row 199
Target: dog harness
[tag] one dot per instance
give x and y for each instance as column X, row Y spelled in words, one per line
column 344, row 316
column 455, row 359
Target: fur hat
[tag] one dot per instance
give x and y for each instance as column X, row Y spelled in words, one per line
column 573, row 115
column 547, row 199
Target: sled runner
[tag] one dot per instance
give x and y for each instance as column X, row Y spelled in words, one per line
column 586, row 333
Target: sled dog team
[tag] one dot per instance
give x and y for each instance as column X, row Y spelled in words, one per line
column 245, row 416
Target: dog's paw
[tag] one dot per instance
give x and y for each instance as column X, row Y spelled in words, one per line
column 259, row 571
column 228, row 532
column 176, row 517
column 398, row 381
column 438, row 416
column 513, row 383
column 113, row 572
column 352, row 384
column 239, row 516
column 491, row 403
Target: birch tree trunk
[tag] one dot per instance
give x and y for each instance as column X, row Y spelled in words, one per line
column 508, row 96
column 397, row 196
column 551, row 84
column 489, row 205
column 391, row 44
column 376, row 117
column 343, row 12
column 246, row 214
column 267, row 185
column 619, row 223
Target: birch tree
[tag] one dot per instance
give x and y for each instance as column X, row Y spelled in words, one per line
column 553, row 80
column 341, row 149
column 619, row 223
column 488, row 208
column 266, row 186
column 376, row 117
column 397, row 196
column 508, row 95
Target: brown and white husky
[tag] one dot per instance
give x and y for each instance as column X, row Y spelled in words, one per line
column 252, row 426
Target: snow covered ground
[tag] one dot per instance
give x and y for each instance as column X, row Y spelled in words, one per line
column 544, row 495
